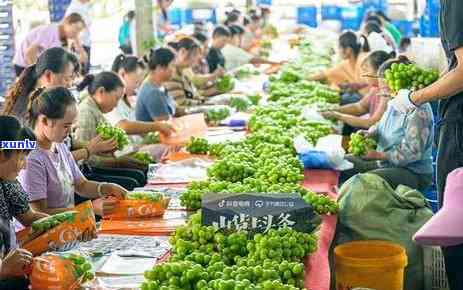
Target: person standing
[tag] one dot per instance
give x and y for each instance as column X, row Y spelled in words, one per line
column 449, row 91
column 125, row 33
column 82, row 7
column 49, row 36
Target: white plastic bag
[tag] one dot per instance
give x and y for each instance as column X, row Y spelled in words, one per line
column 330, row 145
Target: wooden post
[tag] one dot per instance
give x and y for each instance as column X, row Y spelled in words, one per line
column 144, row 25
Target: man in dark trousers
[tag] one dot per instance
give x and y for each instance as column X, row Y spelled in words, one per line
column 449, row 127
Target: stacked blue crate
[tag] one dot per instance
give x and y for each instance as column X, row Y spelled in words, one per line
column 264, row 2
column 352, row 17
column 331, row 12
column 57, row 9
column 7, row 74
column 176, row 18
column 405, row 27
column 429, row 22
column 307, row 16
column 375, row 5
column 200, row 14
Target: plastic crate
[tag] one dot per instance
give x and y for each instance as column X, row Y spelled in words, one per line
column 57, row 9
column 307, row 15
column 206, row 14
column 176, row 16
column 264, row 2
column 375, row 5
column 405, row 27
column 429, row 27
column 331, row 12
column 352, row 17
column 435, row 277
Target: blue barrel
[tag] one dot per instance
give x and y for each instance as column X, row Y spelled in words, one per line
column 307, row 15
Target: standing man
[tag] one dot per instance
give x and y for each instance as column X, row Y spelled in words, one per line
column 449, row 90
column 82, row 7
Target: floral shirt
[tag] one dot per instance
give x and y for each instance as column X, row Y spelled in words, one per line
column 13, row 201
column 406, row 139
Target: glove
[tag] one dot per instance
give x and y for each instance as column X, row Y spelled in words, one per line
column 402, row 102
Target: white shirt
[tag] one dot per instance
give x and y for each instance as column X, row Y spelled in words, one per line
column 120, row 113
column 84, row 11
column 377, row 42
column 235, row 56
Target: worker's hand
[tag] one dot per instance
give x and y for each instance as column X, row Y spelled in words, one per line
column 329, row 114
column 112, row 189
column 98, row 145
column 164, row 128
column 219, row 72
column 104, row 206
column 402, row 102
column 375, row 155
column 15, row 263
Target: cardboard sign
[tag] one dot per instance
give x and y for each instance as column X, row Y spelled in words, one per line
column 188, row 126
column 258, row 212
column 138, row 209
column 62, row 234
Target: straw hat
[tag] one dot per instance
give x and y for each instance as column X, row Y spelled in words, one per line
column 446, row 227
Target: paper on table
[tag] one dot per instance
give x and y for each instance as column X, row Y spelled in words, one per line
column 116, row 265
column 130, row 282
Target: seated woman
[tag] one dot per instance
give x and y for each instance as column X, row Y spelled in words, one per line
column 180, row 87
column 105, row 90
column 131, row 71
column 374, row 103
column 403, row 155
column 235, row 56
column 153, row 101
column 54, row 67
column 51, row 175
column 347, row 74
column 199, row 73
column 14, row 203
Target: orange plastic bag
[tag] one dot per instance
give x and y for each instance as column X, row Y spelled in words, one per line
column 62, row 234
column 137, row 209
column 187, row 127
column 53, row 273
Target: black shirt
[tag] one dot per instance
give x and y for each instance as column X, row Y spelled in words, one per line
column 451, row 27
column 215, row 59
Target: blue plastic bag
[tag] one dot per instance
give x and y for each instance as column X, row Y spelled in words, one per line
column 315, row 160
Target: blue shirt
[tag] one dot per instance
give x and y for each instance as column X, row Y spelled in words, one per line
column 152, row 103
column 406, row 139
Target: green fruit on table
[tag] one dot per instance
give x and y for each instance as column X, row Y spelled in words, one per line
column 197, row 146
column 150, row 196
column 225, row 84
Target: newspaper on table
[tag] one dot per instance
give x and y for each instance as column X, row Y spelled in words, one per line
column 123, row 245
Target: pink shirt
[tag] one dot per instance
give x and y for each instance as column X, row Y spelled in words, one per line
column 46, row 36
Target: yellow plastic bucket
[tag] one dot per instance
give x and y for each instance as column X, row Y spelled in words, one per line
column 377, row 265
